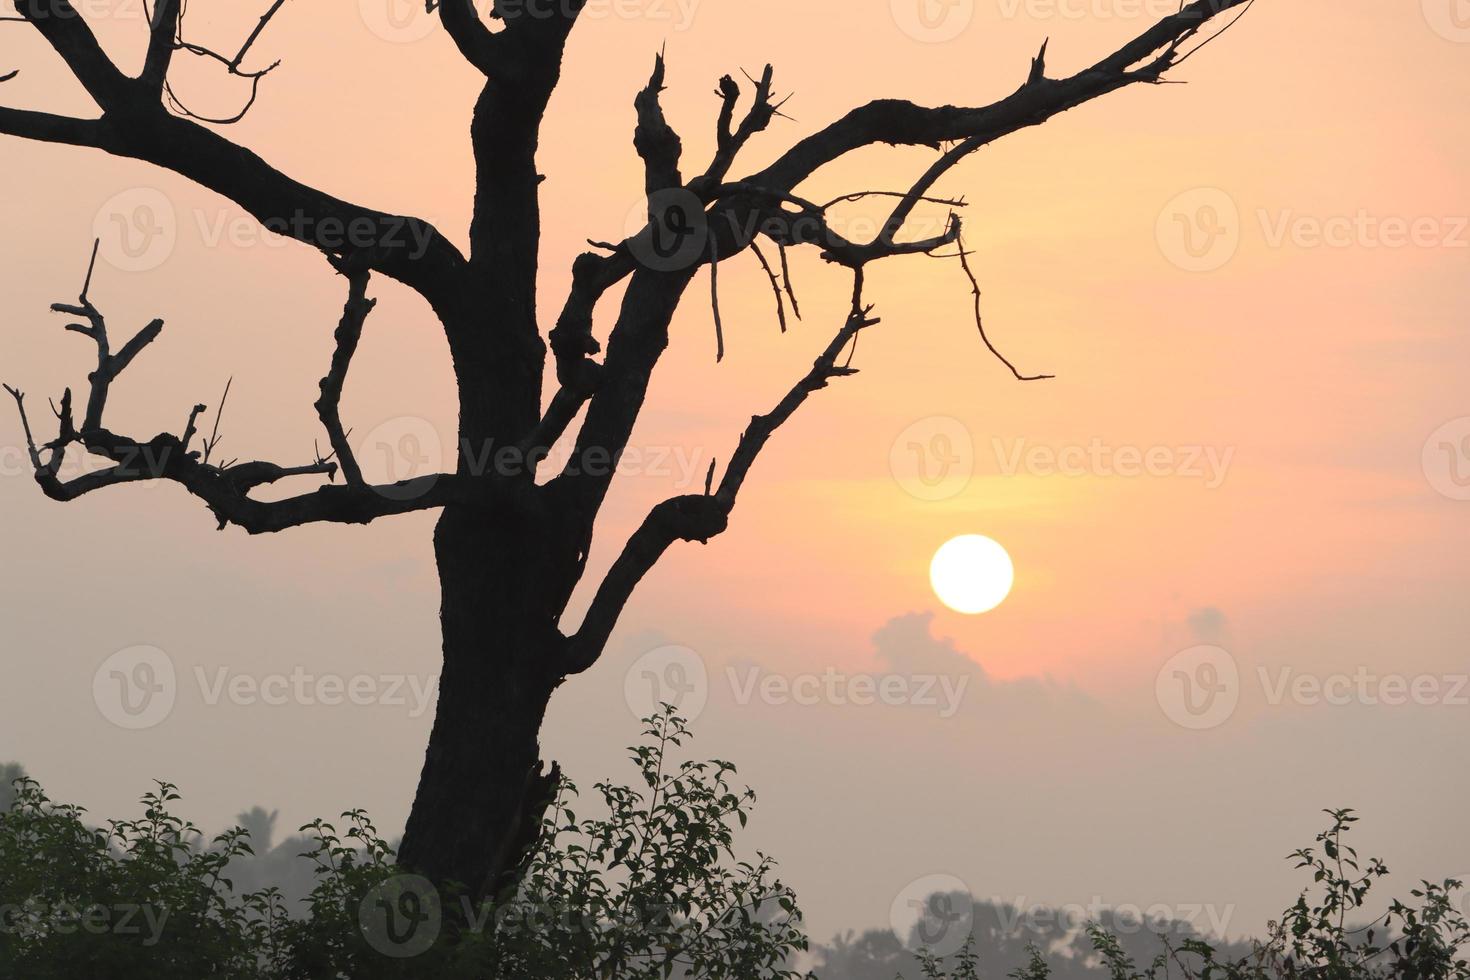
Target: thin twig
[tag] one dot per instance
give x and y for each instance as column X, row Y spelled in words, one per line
column 980, row 322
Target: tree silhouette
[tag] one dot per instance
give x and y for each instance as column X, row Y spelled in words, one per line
column 512, row 541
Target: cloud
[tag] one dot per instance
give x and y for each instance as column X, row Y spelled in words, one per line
column 906, row 644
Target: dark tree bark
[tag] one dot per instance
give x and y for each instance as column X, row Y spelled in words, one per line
column 512, row 542
column 483, row 786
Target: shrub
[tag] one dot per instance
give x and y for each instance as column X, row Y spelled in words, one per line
column 650, row 887
column 1320, row 937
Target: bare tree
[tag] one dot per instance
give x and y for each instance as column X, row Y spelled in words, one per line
column 511, row 541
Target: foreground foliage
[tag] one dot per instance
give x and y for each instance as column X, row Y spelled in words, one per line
column 648, row 888
column 1320, row 937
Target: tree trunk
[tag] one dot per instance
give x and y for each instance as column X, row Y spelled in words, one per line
column 483, row 789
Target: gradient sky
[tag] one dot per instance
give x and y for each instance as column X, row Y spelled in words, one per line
column 1307, row 349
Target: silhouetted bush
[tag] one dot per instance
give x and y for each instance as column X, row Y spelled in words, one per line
column 650, row 888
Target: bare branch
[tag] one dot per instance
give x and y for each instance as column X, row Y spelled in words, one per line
column 714, row 294
column 824, row 370
column 775, row 285
column 980, row 323
column 729, row 143
column 689, row 518
column 25, row 423
column 224, row 489
column 231, row 65
column 162, row 42
column 657, row 143
column 219, row 413
column 134, row 126
column 190, row 427
column 905, row 124
column 50, row 128
column 349, row 332
column 786, row 280
column 463, row 25
column 701, row 517
column 65, row 30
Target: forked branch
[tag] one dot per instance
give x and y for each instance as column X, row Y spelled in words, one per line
column 224, row 488
column 768, row 203
column 699, row 517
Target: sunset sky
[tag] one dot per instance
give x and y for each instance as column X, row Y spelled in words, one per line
column 1259, row 280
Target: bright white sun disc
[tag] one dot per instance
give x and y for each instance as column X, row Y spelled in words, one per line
column 972, row 574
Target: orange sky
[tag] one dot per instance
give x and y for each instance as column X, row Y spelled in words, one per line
column 1317, row 369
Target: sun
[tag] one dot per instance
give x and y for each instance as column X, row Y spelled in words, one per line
column 972, row 574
